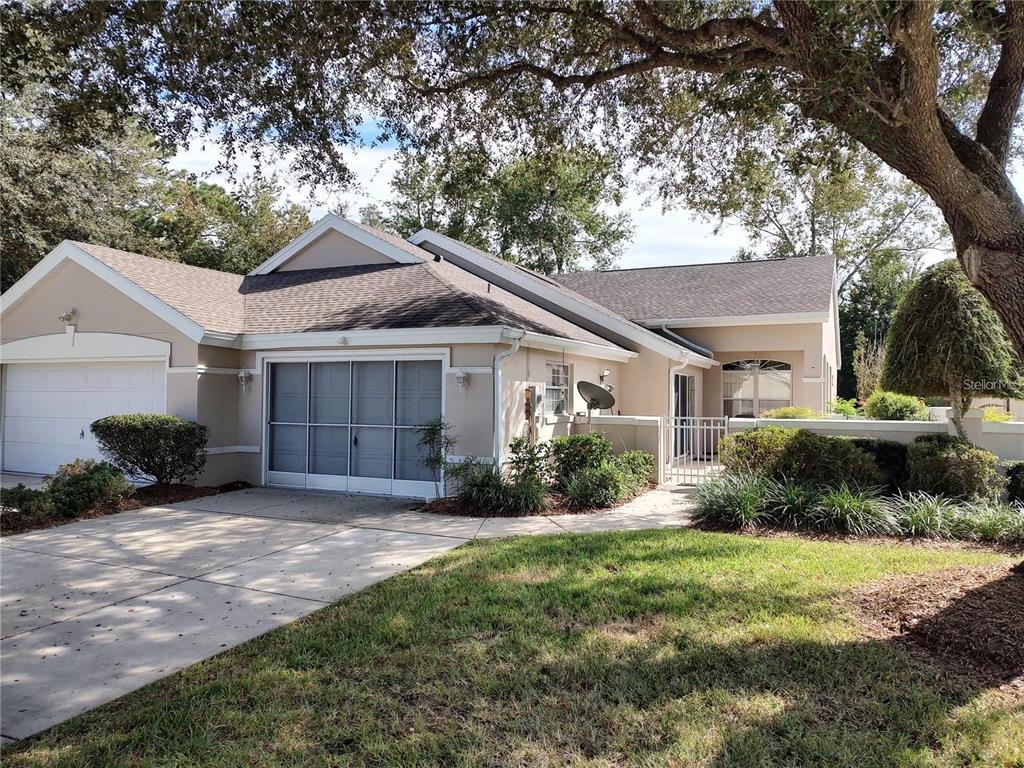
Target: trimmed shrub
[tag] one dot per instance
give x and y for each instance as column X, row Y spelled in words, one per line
column 844, row 407
column 528, row 461
column 849, row 509
column 23, row 506
column 800, row 455
column 890, row 457
column 571, row 454
column 995, row 414
column 789, row 502
column 951, row 466
column 893, row 406
column 596, row 487
column 84, row 483
column 791, row 412
column 153, row 446
column 733, row 500
column 1015, row 481
column 483, row 489
column 758, row 451
column 636, row 468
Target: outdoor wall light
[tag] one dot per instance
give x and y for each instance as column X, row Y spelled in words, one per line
column 244, row 377
column 68, row 317
column 462, row 379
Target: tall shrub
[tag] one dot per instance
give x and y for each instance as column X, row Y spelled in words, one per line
column 893, row 406
column 571, row 454
column 946, row 341
column 153, row 446
column 952, row 466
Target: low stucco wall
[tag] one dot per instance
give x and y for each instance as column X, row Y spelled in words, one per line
column 1005, row 440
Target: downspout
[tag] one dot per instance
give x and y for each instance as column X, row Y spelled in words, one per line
column 499, row 360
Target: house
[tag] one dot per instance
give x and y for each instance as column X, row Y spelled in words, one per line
column 317, row 368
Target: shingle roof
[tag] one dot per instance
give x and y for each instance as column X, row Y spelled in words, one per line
column 206, row 296
column 375, row 296
column 778, row 286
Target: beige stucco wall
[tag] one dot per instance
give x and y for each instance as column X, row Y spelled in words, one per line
column 333, row 249
column 100, row 309
column 808, row 347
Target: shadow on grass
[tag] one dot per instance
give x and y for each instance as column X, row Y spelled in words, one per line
column 656, row 649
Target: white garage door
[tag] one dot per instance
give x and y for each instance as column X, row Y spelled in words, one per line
column 48, row 408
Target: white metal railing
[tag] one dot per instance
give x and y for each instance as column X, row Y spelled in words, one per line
column 692, row 445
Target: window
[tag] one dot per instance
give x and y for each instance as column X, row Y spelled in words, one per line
column 556, row 392
column 751, row 387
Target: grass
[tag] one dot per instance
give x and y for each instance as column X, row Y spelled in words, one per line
column 680, row 648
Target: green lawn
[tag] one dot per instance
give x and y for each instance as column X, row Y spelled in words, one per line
column 650, row 648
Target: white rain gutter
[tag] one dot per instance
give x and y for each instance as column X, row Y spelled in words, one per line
column 687, row 343
column 499, row 360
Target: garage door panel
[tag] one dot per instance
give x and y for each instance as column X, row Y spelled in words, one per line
column 48, row 408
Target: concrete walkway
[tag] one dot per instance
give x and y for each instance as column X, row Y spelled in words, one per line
column 94, row 609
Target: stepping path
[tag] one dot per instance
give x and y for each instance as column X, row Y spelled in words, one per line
column 94, row 609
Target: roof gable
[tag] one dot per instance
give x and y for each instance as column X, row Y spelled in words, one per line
column 337, row 242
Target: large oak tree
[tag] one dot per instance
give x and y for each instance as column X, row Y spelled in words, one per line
column 932, row 89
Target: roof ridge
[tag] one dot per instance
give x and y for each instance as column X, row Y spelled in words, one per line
column 468, row 299
column 695, row 264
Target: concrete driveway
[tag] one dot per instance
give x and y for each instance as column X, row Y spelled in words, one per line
column 94, row 609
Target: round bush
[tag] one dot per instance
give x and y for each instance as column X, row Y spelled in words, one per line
column 153, row 446
column 755, row 450
column 952, row 466
column 600, row 486
column 85, row 483
column 791, row 412
column 798, row 454
column 571, row 454
column 893, row 406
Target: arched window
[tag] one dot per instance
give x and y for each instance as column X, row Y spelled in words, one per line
column 751, row 387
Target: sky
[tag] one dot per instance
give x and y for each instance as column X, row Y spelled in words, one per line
column 673, row 237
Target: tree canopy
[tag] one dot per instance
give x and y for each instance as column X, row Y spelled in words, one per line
column 933, row 90
column 547, row 212
column 945, row 341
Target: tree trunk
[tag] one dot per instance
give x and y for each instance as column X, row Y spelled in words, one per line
column 999, row 275
column 961, row 403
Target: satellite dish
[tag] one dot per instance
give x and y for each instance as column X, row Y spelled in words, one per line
column 597, row 397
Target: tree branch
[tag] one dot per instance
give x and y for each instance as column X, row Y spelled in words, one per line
column 773, row 38
column 995, row 123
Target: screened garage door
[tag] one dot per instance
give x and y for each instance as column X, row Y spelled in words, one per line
column 48, row 408
column 352, row 425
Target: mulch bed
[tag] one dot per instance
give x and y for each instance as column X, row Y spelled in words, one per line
column 146, row 496
column 967, row 621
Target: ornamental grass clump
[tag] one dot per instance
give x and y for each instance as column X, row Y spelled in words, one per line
column 919, row 514
column 733, row 500
column 846, row 508
column 789, row 502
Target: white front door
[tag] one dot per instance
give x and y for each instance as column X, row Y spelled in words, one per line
column 351, row 424
column 48, row 408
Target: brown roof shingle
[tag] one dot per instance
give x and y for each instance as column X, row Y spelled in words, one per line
column 374, row 296
column 777, row 286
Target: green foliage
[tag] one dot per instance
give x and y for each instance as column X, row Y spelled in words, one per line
column 74, row 488
column 789, row 503
column 733, row 500
column 942, row 464
column 854, row 510
column 155, row 446
column 637, row 468
column 436, row 441
column 890, row 457
column 991, row 523
column 528, row 461
column 571, row 454
column 893, row 406
column 994, row 414
column 546, row 212
column 925, row 515
column 85, row 483
column 791, row 412
column 844, row 407
column 798, row 454
column 946, row 341
column 1015, row 481
column 484, row 490
column 601, row 486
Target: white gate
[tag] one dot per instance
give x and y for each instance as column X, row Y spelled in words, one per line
column 693, row 448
